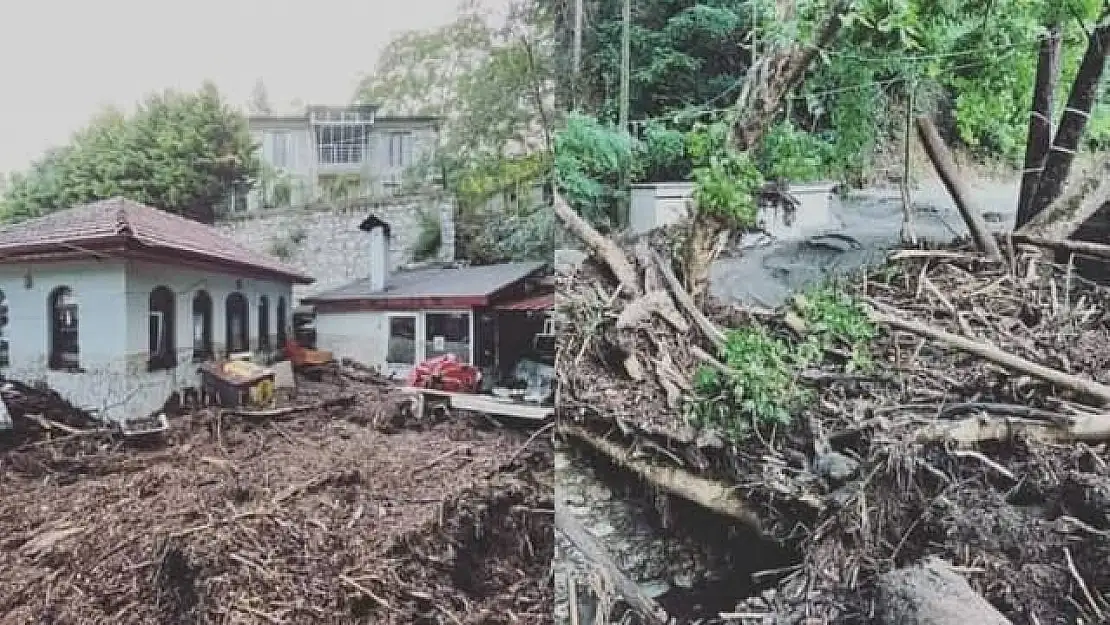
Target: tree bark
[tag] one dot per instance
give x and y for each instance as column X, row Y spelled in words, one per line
column 646, row 607
column 1080, row 101
column 759, row 103
column 611, row 254
column 942, row 161
column 1086, row 195
column 1040, row 124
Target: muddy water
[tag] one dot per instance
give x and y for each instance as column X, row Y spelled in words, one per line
column 695, row 567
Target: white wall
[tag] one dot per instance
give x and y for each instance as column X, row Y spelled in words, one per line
column 113, row 298
column 360, row 336
column 99, row 287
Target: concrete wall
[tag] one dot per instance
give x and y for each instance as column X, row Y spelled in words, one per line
column 113, row 298
column 99, row 288
column 360, row 336
column 327, row 244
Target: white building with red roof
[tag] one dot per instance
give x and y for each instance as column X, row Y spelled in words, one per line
column 113, row 304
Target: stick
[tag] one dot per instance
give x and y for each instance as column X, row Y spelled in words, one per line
column 1084, row 248
column 440, row 458
column 711, row 331
column 646, row 607
column 610, row 253
column 989, row 352
column 366, row 591
column 1083, row 585
column 946, row 167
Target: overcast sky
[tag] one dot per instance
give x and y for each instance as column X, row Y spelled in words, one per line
column 63, row 60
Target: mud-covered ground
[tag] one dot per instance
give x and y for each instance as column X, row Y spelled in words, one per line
column 332, row 515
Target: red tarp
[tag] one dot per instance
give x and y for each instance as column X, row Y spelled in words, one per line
column 446, row 373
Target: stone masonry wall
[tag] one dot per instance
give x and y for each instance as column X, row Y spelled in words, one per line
column 327, row 244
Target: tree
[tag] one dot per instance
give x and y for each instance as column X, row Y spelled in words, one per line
column 493, row 85
column 181, row 152
column 259, row 103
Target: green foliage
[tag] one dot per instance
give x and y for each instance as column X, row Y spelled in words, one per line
column 971, row 63
column 590, row 160
column 429, row 239
column 725, row 181
column 762, row 386
column 182, row 152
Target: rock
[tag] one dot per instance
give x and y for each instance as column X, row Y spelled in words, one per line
column 835, row 467
column 931, row 593
column 710, row 439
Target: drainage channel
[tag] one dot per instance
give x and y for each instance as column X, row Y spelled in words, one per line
column 693, row 563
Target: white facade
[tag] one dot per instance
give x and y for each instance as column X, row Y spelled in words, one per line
column 114, row 328
column 392, row 342
column 333, row 146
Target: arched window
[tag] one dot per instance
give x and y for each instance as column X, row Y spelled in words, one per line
column 163, row 330
column 202, row 326
column 65, row 340
column 264, row 324
column 5, row 355
column 238, row 329
column 282, row 320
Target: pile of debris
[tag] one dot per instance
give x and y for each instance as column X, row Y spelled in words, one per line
column 299, row 514
column 979, row 436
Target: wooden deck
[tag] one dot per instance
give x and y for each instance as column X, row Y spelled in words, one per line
column 485, row 404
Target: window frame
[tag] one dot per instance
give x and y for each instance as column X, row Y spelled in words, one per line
column 206, row 351
column 264, row 324
column 244, row 325
column 166, row 311
column 55, row 355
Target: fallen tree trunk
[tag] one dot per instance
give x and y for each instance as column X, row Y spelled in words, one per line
column 646, row 607
column 1089, row 388
column 1040, row 124
column 686, row 302
column 710, row 494
column 609, row 252
column 1083, row 248
column 1081, row 99
column 975, row 430
column 1084, row 197
column 946, row 168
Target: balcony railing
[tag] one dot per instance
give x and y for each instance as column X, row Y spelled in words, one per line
column 340, row 154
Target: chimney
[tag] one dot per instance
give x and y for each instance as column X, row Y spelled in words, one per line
column 379, row 258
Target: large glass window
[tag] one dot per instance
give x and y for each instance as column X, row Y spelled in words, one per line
column 163, row 348
column 202, row 326
column 447, row 333
column 402, row 340
column 264, row 324
column 282, row 323
column 65, row 341
column 238, row 330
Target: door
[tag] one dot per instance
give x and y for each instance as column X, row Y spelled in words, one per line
column 401, row 351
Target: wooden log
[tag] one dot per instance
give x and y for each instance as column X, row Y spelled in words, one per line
column 1089, row 388
column 1090, row 428
column 1040, row 123
column 649, row 611
column 946, row 168
column 686, row 303
column 710, row 494
column 279, row 413
column 1081, row 99
column 1082, row 248
column 609, row 252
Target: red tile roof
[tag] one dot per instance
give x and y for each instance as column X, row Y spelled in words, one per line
column 134, row 226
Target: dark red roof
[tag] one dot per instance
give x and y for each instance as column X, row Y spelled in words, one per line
column 119, row 223
column 545, row 301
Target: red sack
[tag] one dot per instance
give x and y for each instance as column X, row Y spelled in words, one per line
column 446, row 373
